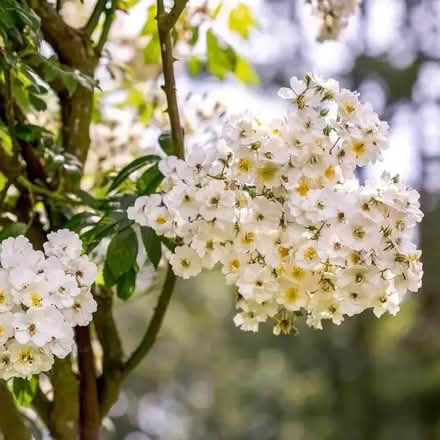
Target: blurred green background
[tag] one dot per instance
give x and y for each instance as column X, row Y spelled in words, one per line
column 367, row 379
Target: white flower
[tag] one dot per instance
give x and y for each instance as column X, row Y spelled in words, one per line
column 29, row 359
column 81, row 311
column 38, row 326
column 185, row 261
column 6, row 328
column 18, row 251
column 63, row 244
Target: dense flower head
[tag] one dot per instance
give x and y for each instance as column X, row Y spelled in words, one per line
column 278, row 204
column 334, row 15
column 43, row 295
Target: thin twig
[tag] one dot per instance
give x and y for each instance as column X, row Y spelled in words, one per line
column 166, row 49
column 171, row 18
column 31, row 187
column 108, row 335
column 93, row 20
column 155, row 324
column 10, row 114
column 109, row 15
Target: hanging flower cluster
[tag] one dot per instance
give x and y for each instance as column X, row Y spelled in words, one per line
column 279, row 206
column 334, row 15
column 42, row 297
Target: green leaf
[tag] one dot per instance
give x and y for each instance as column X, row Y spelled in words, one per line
column 194, row 35
column 242, row 20
column 12, row 230
column 127, row 284
column 89, row 200
column 221, row 58
column 152, row 50
column 194, row 66
column 149, row 181
column 29, row 132
column 81, row 220
column 109, row 279
column 37, row 103
column 150, row 26
column 152, row 245
column 25, row 390
column 246, row 73
column 103, row 228
column 131, row 168
column 122, row 252
column 170, row 244
column 166, row 143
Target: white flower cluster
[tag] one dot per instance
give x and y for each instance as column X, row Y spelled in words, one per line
column 279, row 206
column 42, row 297
column 334, row 15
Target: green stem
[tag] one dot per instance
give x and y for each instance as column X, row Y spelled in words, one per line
column 32, row 188
column 155, row 324
column 94, row 17
column 109, row 15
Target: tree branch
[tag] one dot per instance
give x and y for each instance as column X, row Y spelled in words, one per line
column 70, row 44
column 166, row 50
column 12, row 424
column 109, row 15
column 171, row 18
column 64, row 415
column 90, row 418
column 93, row 20
column 155, row 324
column 10, row 114
column 108, row 335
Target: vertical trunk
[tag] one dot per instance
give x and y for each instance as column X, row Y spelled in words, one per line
column 90, row 417
column 12, row 424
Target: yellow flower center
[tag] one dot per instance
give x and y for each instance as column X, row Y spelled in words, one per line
column 359, row 148
column 330, row 173
column 292, row 294
column 185, row 263
column 248, row 238
column 355, row 257
column 161, row 220
column 298, row 273
column 303, row 188
column 32, row 329
column 244, row 165
column 36, row 299
column 267, row 172
column 234, row 265
column 310, row 254
column 26, row 356
column 283, row 252
column 349, row 108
